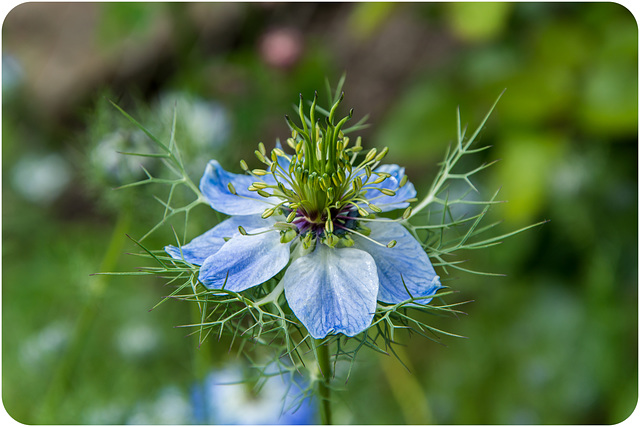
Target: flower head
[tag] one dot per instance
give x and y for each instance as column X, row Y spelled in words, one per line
column 314, row 214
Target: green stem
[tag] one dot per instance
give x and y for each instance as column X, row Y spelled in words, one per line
column 62, row 378
column 323, row 386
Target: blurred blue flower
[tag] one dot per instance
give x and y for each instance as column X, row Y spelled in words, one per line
column 314, row 211
column 204, row 123
column 12, row 74
column 277, row 398
column 41, row 178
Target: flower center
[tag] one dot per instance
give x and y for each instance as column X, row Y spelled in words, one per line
column 321, row 187
column 341, row 221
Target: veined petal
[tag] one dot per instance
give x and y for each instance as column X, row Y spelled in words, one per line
column 332, row 290
column 406, row 261
column 215, row 187
column 397, row 201
column 245, row 261
column 207, row 244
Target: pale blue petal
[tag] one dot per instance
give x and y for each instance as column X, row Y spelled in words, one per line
column 332, row 290
column 245, row 261
column 405, row 261
column 207, row 244
column 389, row 203
column 214, row 186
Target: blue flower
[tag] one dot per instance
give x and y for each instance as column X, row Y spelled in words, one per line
column 224, row 398
column 313, row 215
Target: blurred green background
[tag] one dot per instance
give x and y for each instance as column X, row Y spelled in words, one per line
column 555, row 341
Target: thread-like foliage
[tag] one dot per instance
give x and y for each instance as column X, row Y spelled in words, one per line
column 260, row 315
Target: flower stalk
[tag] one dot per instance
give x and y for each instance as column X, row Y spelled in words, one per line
column 324, row 390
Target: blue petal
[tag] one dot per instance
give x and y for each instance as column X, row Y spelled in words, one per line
column 332, row 290
column 215, row 188
column 207, row 244
column 406, row 261
column 245, row 261
column 389, row 203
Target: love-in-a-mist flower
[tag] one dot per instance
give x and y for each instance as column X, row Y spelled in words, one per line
column 315, row 213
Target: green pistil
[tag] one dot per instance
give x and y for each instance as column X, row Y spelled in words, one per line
column 323, row 179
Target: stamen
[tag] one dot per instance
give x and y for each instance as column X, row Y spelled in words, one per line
column 259, row 172
column 268, row 212
column 260, row 157
column 232, row 190
column 363, row 236
column 370, row 155
column 259, row 185
column 382, row 154
column 407, row 213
